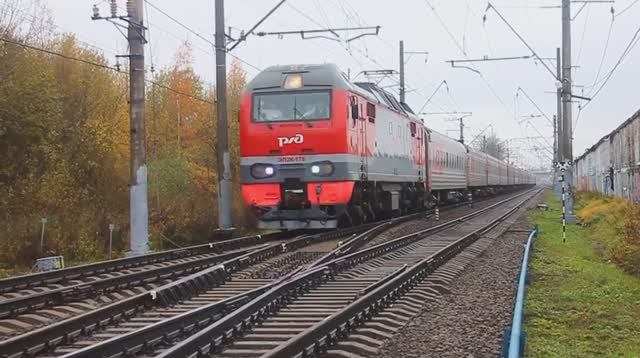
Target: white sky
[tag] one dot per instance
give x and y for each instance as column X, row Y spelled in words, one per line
column 453, row 26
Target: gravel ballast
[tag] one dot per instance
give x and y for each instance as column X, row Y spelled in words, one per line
column 469, row 321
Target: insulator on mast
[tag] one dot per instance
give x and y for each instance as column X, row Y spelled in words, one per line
column 96, row 11
column 114, row 8
column 131, row 8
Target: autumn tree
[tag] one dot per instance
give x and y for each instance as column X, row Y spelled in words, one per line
column 491, row 145
column 64, row 136
column 183, row 170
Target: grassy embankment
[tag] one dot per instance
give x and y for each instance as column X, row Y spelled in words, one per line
column 584, row 297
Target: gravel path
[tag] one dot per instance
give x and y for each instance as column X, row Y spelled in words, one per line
column 468, row 322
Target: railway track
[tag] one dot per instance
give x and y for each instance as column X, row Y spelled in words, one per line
column 359, row 328
column 245, row 276
column 316, row 307
column 154, row 338
column 38, row 299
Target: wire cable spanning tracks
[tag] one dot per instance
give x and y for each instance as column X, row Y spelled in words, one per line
column 160, row 334
column 298, row 314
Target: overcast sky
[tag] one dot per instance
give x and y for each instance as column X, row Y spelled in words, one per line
column 447, row 29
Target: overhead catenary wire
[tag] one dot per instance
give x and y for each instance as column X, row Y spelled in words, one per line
column 604, row 53
column 96, row 64
column 88, row 43
column 200, row 36
column 632, row 43
column 634, row 40
column 627, row 8
column 582, row 37
column 520, row 89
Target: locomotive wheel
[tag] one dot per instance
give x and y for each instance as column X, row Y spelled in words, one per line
column 357, row 215
column 371, row 215
column 345, row 220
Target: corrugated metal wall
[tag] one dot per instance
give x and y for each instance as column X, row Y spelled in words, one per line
column 615, row 157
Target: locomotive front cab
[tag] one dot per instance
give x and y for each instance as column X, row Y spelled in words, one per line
column 292, row 176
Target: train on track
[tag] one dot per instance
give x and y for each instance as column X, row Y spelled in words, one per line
column 319, row 151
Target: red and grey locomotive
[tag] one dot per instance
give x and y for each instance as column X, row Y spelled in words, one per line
column 318, row 151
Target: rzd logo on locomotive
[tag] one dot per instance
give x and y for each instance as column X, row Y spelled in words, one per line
column 297, row 139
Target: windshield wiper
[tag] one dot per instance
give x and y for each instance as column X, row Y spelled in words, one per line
column 302, row 117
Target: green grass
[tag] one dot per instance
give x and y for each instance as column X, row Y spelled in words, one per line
column 578, row 303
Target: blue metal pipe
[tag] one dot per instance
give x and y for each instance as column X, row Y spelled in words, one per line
column 516, row 326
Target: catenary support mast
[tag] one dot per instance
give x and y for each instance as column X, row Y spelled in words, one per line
column 223, row 157
column 139, row 210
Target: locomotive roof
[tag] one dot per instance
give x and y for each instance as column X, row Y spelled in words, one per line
column 322, row 75
column 327, row 75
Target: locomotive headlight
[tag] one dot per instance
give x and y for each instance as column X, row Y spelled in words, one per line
column 322, row 169
column 262, row 171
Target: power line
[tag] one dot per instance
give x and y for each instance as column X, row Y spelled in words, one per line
column 491, row 7
column 627, row 8
column 446, row 28
column 243, row 37
column 520, row 89
column 584, row 31
column 96, row 64
column 604, row 52
column 630, row 46
column 33, row 19
column 634, row 41
column 197, row 34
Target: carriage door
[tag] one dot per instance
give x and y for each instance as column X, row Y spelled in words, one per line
column 362, row 124
column 359, row 124
column 426, row 165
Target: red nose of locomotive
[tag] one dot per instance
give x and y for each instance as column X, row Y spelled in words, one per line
column 295, row 168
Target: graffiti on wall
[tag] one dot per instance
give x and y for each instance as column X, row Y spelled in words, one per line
column 636, row 193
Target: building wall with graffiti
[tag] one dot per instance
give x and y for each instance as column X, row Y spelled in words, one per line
column 612, row 165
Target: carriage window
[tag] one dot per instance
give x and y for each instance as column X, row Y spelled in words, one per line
column 291, row 106
column 371, row 112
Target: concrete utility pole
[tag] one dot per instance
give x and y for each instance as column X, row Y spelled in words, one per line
column 559, row 145
column 139, row 211
column 224, row 160
column 402, row 86
column 567, row 151
column 558, row 133
column 555, row 138
column 138, row 205
column 566, row 81
column 462, row 130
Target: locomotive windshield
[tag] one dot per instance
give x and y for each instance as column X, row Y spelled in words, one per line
column 291, row 106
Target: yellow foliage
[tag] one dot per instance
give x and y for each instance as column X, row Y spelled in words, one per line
column 598, row 207
column 64, row 129
column 615, row 224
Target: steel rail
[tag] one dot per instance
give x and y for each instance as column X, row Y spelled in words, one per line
column 66, row 331
column 320, row 336
column 224, row 330
column 194, row 320
column 62, row 295
column 78, row 272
